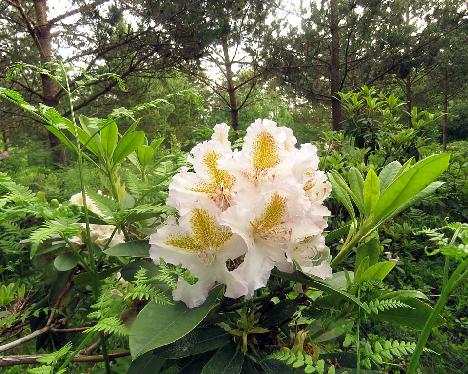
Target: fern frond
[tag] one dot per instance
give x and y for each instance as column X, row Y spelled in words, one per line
column 383, row 350
column 110, row 325
column 142, row 289
column 63, row 228
column 169, row 274
column 377, row 306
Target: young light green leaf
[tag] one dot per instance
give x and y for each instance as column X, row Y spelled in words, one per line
column 145, row 154
column 408, row 184
column 369, row 249
column 388, row 174
column 127, row 144
column 356, row 184
column 361, row 269
column 378, row 271
column 109, row 138
column 339, row 191
column 371, row 192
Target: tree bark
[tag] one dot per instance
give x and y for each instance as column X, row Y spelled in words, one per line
column 6, row 143
column 49, row 86
column 335, row 65
column 230, row 86
column 445, row 123
column 409, row 97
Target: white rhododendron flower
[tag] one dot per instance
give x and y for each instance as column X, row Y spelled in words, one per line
column 199, row 243
column 100, row 234
column 207, row 181
column 77, row 199
column 266, row 197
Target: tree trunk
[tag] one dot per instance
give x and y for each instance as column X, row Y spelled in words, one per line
column 409, row 97
column 445, row 123
column 335, row 66
column 230, row 86
column 49, row 86
column 6, row 142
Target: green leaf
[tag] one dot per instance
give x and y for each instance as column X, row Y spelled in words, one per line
column 137, row 248
column 228, row 360
column 407, row 185
column 145, row 154
column 404, row 294
column 378, row 271
column 66, row 261
column 158, row 325
column 280, row 313
column 429, row 190
column 388, row 174
column 156, row 143
column 371, row 192
column 109, row 138
column 339, row 280
column 356, row 184
column 332, row 236
column 146, row 364
column 414, row 318
column 369, row 249
column 361, row 269
column 127, row 144
column 198, row 341
column 339, row 190
column 330, row 332
column 320, row 285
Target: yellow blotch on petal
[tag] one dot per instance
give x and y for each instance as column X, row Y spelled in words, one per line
column 265, row 151
column 207, row 235
column 272, row 216
column 220, row 180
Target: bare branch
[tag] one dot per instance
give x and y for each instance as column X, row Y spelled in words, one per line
column 32, row 359
column 76, row 11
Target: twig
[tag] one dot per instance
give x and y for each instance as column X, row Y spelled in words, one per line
column 90, row 349
column 69, row 329
column 25, row 339
column 31, row 359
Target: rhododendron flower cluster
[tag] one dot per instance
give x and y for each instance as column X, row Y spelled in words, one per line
column 100, row 234
column 244, row 212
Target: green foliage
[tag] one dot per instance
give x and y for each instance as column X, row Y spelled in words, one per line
column 377, row 306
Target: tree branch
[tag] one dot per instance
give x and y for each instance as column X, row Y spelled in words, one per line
column 32, row 359
column 75, row 11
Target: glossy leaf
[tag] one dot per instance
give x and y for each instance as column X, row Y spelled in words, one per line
column 228, row 360
column 137, row 248
column 158, row 325
column 65, row 261
column 198, row 341
column 146, row 364
column 280, row 313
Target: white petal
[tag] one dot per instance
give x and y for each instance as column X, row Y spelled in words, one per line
column 192, row 295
